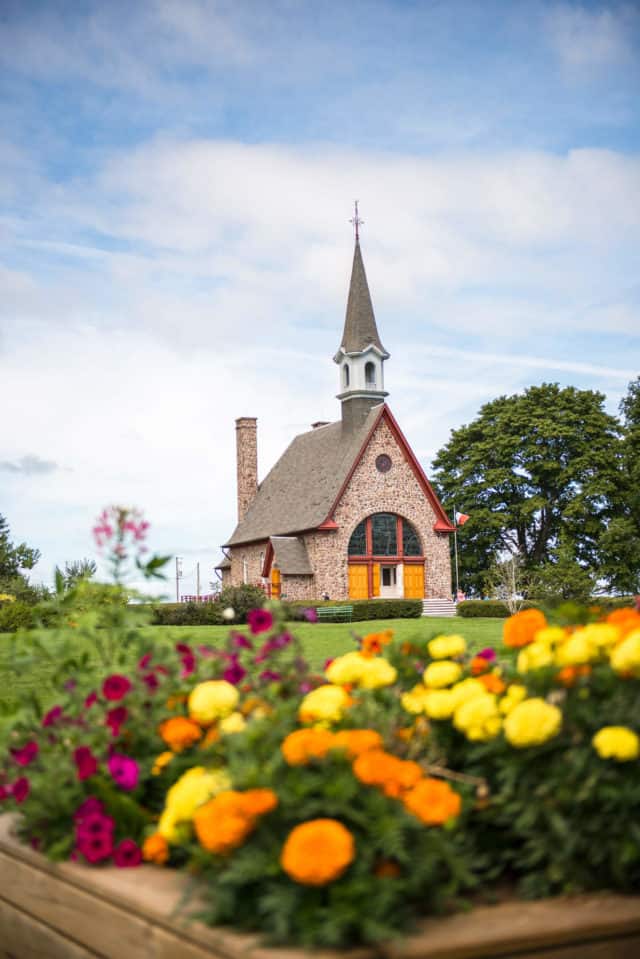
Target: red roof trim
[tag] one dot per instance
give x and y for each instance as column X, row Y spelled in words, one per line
column 329, row 524
column 443, row 523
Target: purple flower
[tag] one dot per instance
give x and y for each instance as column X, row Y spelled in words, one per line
column 86, row 762
column 259, row 620
column 234, row 672
column 489, row 654
column 70, row 685
column 127, row 854
column 90, row 806
column 311, row 615
column 188, row 665
column 239, row 641
column 151, row 681
column 269, row 676
column 124, row 771
column 20, row 789
column 52, row 717
column 96, row 848
column 94, row 824
column 305, row 687
column 26, row 754
column 115, row 687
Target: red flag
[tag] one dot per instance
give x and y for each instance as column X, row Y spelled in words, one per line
column 461, row 518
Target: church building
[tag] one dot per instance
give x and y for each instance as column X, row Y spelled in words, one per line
column 347, row 512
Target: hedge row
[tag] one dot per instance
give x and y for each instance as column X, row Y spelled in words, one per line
column 478, row 608
column 363, row 609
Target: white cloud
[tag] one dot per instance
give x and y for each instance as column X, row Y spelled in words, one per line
column 586, row 38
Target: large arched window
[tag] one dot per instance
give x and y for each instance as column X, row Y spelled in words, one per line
column 370, row 375
column 345, row 376
column 384, row 534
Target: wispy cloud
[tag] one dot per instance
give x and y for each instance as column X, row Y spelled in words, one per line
column 29, row 466
column 592, row 38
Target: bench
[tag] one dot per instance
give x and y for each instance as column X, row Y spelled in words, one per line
column 336, row 614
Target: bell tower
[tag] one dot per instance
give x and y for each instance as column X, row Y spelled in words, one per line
column 361, row 355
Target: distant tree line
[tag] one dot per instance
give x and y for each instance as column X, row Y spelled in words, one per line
column 551, row 483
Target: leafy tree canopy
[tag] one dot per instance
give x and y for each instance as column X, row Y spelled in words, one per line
column 15, row 561
column 529, row 468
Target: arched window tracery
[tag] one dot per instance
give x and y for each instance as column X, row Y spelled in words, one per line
column 384, row 534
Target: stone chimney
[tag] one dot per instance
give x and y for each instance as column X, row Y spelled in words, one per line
column 247, row 462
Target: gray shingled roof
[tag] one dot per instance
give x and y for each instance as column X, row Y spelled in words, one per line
column 224, row 564
column 301, row 488
column 290, row 555
column 360, row 330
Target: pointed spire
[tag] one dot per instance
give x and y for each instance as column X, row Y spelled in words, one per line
column 360, row 330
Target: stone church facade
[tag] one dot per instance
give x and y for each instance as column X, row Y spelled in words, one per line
column 347, row 512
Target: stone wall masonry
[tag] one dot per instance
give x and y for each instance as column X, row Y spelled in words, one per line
column 254, row 554
column 298, row 587
column 246, row 462
column 369, row 491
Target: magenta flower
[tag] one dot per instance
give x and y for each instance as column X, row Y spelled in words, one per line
column 144, row 662
column 52, row 717
column 188, row 665
column 489, row 654
column 115, row 718
column 259, row 620
column 234, row 672
column 127, row 854
column 311, row 615
column 124, row 771
column 94, row 824
column 90, row 700
column 20, row 789
column 86, row 762
column 115, row 687
column 95, row 848
column 183, row 649
column 90, row 806
column 26, row 754
column 151, row 681
column 5, row 792
column 327, row 663
column 269, row 676
column 239, row 641
column 70, row 685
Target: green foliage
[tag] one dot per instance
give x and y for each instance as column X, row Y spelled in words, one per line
column 242, row 599
column 477, row 608
column 530, row 469
column 363, row 609
column 15, row 561
column 76, row 570
column 187, row 614
column 17, row 615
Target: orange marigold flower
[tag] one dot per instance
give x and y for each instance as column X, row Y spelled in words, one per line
column 520, row 629
column 155, row 848
column 492, row 683
column 387, row 772
column 357, row 741
column 304, row 745
column 479, row 665
column 626, row 620
column 433, row 802
column 212, row 735
column 174, row 701
column 258, row 802
column 569, row 675
column 180, row 732
column 373, row 644
column 317, row 852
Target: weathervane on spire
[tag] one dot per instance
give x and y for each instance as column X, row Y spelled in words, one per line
column 356, row 221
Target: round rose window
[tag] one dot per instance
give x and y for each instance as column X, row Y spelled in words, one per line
column 383, row 463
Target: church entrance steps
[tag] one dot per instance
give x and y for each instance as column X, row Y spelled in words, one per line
column 438, row 607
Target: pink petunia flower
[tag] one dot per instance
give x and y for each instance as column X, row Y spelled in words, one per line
column 144, row 662
column 90, row 806
column 90, row 700
column 116, row 717
column 52, row 717
column 124, row 771
column 95, row 848
column 86, row 762
column 20, row 789
column 127, row 854
column 26, row 754
column 115, row 687
column 311, row 615
column 259, row 620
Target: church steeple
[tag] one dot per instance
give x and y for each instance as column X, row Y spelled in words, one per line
column 361, row 354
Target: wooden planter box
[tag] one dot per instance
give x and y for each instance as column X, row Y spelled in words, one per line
column 68, row 911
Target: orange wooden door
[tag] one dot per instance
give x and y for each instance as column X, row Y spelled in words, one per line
column 413, row 581
column 358, row 582
column 376, row 579
column 276, row 584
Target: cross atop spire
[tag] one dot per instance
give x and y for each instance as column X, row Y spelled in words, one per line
column 356, row 221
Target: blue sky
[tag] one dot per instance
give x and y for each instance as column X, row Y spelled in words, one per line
column 176, row 180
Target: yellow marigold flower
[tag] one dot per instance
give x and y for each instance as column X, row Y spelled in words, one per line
column 317, row 852
column 625, row 658
column 234, row 723
column 433, row 801
column 514, row 695
column 415, row 700
column 478, row 718
column 444, row 672
column 616, row 742
column 577, row 650
column 465, row 690
column 356, row 669
column 7, row 598
column 160, row 762
column 447, row 647
column 521, row 628
column 326, row 703
column 212, row 700
column 379, row 672
column 532, row 722
column 536, row 656
column 178, row 732
column 190, row 791
column 551, row 635
column 305, row 745
column 440, row 703
column 602, row 635
column 155, row 849
column 357, row 741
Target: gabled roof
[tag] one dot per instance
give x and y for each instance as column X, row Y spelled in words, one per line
column 360, row 330
column 300, row 490
column 304, row 487
column 290, row 555
column 224, row 564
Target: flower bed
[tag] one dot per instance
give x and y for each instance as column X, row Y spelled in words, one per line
column 334, row 810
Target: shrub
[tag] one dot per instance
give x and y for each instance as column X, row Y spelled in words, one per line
column 363, row 609
column 241, row 599
column 479, row 608
column 14, row 616
column 187, row 614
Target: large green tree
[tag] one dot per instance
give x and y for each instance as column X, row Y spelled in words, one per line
column 621, row 540
column 16, row 559
column 536, row 473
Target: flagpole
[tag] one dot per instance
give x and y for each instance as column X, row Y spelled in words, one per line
column 455, row 550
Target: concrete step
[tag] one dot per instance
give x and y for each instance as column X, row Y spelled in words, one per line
column 438, row 607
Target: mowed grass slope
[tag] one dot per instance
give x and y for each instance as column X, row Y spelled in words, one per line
column 320, row 642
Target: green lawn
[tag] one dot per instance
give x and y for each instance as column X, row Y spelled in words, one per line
column 320, row 640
